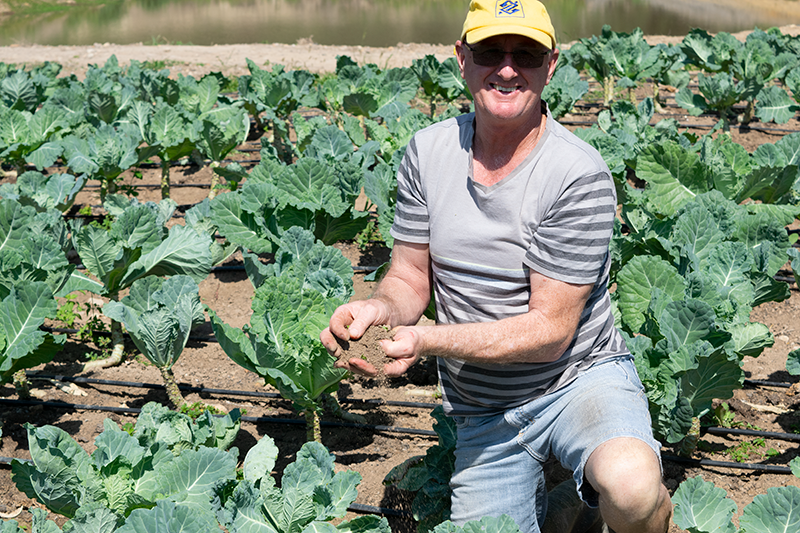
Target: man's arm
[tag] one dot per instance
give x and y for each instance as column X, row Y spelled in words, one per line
column 541, row 335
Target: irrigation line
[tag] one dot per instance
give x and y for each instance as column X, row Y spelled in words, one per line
column 371, row 509
column 253, row 419
column 769, row 469
column 752, row 433
column 190, row 388
column 240, row 268
column 772, row 469
column 760, row 383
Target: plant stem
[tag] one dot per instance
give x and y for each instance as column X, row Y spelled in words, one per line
column 173, row 392
column 22, row 385
column 748, row 112
column 164, row 178
column 608, row 90
column 332, row 404
column 689, row 443
column 214, row 180
column 658, row 107
column 313, row 426
column 117, row 353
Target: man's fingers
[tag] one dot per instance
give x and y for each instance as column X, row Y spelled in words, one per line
column 329, row 342
column 398, row 367
column 358, row 366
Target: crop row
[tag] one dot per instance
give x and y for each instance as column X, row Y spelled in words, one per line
column 701, row 237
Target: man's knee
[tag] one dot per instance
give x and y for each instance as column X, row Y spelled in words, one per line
column 626, row 473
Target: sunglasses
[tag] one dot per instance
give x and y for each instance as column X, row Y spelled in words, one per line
column 492, row 57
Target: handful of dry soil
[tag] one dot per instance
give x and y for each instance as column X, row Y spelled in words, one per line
column 368, row 347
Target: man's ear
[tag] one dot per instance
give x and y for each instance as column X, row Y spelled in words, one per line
column 551, row 66
column 458, row 49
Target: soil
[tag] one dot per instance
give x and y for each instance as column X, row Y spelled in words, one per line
column 403, row 402
column 368, row 348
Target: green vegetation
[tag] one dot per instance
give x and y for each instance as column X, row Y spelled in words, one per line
column 32, row 7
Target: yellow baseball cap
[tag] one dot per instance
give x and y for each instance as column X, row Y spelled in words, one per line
column 487, row 18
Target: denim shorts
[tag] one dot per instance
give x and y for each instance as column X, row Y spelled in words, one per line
column 499, row 458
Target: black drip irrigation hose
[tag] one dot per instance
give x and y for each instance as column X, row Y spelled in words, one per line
column 760, row 383
column 769, row 469
column 72, row 331
column 252, row 419
column 190, row 388
column 751, row 433
column 371, row 509
column 236, row 268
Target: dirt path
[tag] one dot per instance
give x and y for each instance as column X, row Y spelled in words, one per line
column 231, row 59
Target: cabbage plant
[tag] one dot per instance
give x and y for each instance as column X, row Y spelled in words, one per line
column 702, row 507
column 23, row 134
column 173, row 475
column 57, row 191
column 429, row 475
column 136, row 245
column 311, row 494
column 33, row 271
column 220, row 131
column 271, row 96
column 439, row 80
column 293, row 301
column 564, row 90
column 168, row 458
column 172, row 133
column 619, row 60
column 159, row 315
column 686, row 283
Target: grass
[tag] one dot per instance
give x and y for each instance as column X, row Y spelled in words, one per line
column 33, row 7
column 157, row 40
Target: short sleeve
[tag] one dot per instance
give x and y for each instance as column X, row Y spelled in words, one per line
column 571, row 242
column 411, row 220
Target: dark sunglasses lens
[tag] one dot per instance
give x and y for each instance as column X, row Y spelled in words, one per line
column 494, row 56
column 528, row 60
column 488, row 58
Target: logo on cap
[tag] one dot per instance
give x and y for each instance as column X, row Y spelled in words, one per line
column 509, row 8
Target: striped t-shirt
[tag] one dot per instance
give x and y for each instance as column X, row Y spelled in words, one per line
column 553, row 214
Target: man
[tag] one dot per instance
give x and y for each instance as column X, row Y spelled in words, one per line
column 508, row 216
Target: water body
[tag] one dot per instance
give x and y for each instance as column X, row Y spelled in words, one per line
column 357, row 22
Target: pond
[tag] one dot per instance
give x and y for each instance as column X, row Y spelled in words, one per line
column 359, row 22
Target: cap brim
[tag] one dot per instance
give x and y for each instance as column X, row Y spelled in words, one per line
column 479, row 34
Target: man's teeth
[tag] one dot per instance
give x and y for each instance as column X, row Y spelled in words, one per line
column 505, row 89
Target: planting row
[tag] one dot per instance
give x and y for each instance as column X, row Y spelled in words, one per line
column 170, row 472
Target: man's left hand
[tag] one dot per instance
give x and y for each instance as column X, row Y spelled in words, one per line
column 405, row 348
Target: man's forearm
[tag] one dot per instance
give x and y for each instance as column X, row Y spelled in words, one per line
column 528, row 338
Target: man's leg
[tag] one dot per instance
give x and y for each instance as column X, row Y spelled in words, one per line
column 627, row 475
column 602, row 431
column 494, row 475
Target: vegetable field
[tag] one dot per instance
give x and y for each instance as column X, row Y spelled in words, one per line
column 173, row 240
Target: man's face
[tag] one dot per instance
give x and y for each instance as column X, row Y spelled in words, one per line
column 507, row 94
